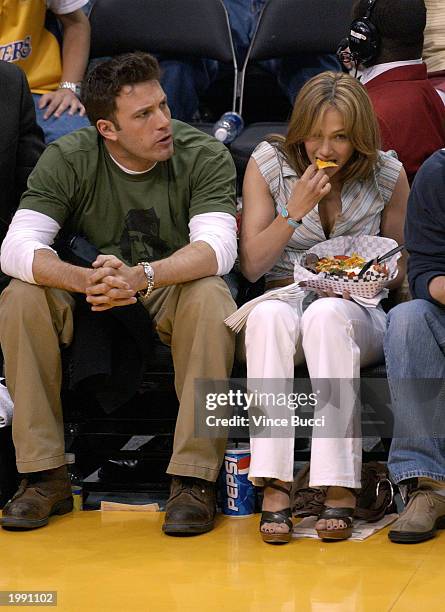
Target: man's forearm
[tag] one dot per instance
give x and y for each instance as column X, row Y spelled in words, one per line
column 113, row 283
column 196, row 260
column 76, row 46
column 193, row 261
column 50, row 271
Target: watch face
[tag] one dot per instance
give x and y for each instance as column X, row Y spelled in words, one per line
column 77, row 90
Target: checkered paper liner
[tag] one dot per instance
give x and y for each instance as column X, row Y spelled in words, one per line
column 367, row 247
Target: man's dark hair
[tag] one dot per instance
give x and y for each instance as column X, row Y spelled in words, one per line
column 104, row 82
column 400, row 24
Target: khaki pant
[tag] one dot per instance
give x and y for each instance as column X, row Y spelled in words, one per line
column 35, row 322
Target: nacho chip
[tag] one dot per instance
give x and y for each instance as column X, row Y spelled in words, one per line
column 340, row 264
column 325, row 164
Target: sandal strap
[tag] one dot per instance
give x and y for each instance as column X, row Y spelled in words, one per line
column 282, row 517
column 345, row 514
column 271, row 484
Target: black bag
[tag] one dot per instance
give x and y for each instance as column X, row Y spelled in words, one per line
column 76, row 250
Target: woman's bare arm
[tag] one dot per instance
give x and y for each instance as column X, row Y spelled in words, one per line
column 393, row 221
column 264, row 235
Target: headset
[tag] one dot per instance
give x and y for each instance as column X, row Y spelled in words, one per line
column 363, row 40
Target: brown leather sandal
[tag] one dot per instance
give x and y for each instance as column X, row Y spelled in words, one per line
column 281, row 517
column 342, row 514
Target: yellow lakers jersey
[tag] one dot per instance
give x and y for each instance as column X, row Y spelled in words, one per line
column 25, row 41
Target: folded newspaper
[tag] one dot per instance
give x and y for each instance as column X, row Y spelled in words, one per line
column 361, row 529
column 293, row 294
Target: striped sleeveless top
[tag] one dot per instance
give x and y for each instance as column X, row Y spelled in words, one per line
column 362, row 204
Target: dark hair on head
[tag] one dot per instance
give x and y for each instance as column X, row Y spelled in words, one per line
column 104, row 82
column 400, row 23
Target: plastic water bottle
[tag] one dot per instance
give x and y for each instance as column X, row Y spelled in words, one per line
column 228, row 127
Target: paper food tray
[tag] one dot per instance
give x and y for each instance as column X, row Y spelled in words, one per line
column 367, row 247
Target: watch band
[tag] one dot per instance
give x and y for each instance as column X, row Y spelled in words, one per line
column 150, row 276
column 75, row 87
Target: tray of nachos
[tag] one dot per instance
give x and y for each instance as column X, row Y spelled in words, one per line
column 335, row 264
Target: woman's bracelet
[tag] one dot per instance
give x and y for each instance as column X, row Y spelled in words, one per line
column 285, row 214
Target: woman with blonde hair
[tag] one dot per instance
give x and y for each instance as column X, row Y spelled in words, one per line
column 289, row 205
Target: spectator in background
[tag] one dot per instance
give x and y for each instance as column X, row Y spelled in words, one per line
column 21, row 147
column 21, row 140
column 185, row 81
column 292, row 73
column 415, row 361
column 409, row 110
column 434, row 45
column 55, row 83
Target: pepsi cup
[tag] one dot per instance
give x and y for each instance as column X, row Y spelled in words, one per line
column 237, row 492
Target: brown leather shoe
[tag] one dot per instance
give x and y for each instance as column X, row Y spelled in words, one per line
column 191, row 507
column 39, row 495
column 424, row 513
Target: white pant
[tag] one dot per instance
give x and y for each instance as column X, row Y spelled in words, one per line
column 336, row 337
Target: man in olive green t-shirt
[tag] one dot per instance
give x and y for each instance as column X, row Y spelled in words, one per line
column 157, row 198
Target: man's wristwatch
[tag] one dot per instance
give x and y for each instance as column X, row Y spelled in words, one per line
column 75, row 87
column 150, row 276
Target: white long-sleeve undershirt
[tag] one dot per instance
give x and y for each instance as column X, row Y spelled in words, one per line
column 30, row 231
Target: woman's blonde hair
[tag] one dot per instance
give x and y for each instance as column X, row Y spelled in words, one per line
column 345, row 94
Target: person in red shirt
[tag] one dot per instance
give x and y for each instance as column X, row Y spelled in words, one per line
column 409, row 110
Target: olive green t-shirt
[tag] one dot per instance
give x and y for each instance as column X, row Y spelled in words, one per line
column 141, row 217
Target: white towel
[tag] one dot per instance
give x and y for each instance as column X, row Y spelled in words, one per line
column 6, row 405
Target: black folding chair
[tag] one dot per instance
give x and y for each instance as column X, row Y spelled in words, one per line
column 175, row 28
column 288, row 28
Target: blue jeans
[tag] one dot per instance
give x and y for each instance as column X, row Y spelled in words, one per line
column 243, row 17
column 184, row 81
column 415, row 351
column 295, row 71
column 52, row 127
column 292, row 72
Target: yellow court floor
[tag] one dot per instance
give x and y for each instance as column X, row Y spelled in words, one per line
column 121, row 561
